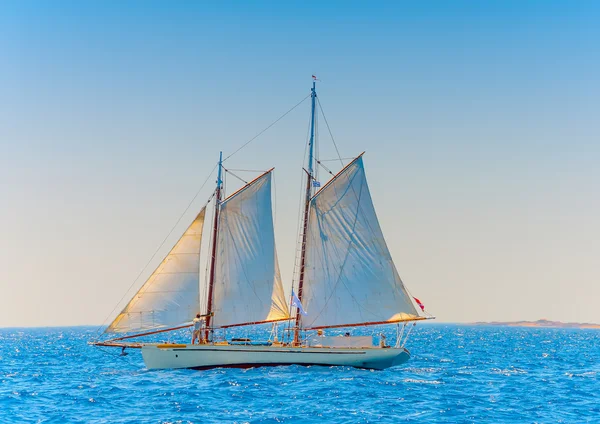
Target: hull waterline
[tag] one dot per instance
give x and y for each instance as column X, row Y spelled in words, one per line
column 215, row 356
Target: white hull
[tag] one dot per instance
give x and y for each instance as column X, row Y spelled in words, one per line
column 245, row 356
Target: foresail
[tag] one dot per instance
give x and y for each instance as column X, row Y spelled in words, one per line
column 170, row 295
column 350, row 277
column 248, row 286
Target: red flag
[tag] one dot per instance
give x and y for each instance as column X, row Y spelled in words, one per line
column 420, row 304
column 314, row 77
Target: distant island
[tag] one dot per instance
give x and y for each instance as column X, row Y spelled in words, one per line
column 544, row 323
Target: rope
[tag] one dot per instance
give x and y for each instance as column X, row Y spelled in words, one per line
column 325, row 168
column 108, row 352
column 330, row 133
column 408, row 334
column 263, row 131
column 262, row 171
column 333, row 160
column 229, row 172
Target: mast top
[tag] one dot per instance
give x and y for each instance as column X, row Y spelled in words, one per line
column 311, row 143
column 219, row 175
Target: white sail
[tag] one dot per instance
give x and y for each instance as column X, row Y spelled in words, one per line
column 350, row 277
column 170, row 295
column 248, row 285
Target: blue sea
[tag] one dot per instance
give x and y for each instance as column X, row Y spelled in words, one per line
column 458, row 374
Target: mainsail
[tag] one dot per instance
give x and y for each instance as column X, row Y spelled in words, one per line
column 350, row 278
column 248, row 286
column 170, row 296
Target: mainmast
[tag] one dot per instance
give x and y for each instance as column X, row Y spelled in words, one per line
column 213, row 259
column 309, row 178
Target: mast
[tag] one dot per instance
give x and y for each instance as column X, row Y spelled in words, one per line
column 309, row 178
column 213, row 260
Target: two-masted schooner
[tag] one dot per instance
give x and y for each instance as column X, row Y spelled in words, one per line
column 346, row 278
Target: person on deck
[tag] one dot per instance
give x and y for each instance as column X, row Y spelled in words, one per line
column 198, row 324
column 382, row 340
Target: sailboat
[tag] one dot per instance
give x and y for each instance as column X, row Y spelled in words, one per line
column 346, row 278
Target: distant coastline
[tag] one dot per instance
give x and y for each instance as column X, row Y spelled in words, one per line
column 543, row 323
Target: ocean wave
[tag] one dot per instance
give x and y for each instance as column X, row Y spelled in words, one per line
column 52, row 375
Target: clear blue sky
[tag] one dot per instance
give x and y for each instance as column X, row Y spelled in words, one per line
column 480, row 121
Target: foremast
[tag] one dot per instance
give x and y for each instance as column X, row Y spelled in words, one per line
column 309, row 182
column 213, row 257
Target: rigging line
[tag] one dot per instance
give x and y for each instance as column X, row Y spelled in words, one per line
column 158, row 248
column 325, row 168
column 110, row 353
column 333, row 160
column 262, row 171
column 267, row 128
column 229, row 172
column 330, row 133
